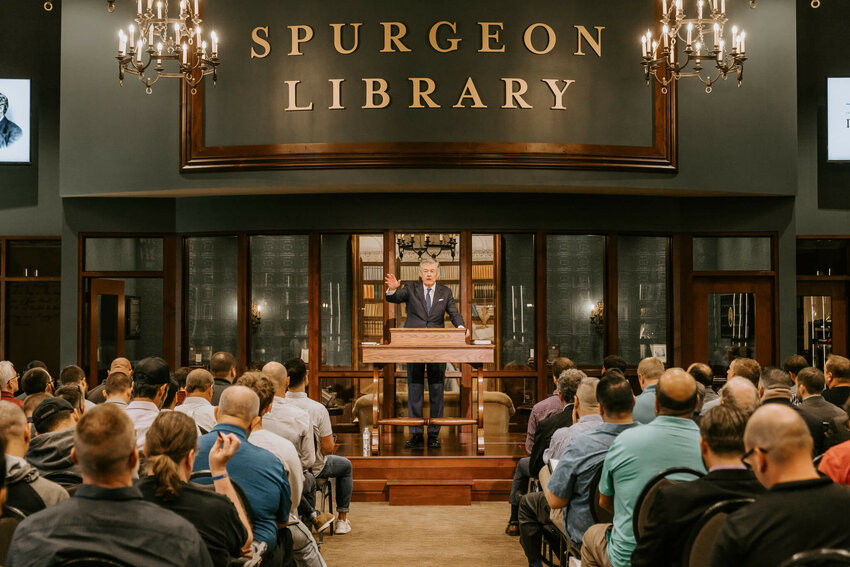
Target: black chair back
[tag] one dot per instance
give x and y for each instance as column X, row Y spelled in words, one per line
column 643, row 505
column 819, row 558
column 599, row 514
column 700, row 542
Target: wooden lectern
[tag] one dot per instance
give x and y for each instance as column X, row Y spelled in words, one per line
column 426, row 345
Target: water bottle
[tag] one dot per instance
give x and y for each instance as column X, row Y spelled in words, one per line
column 367, row 442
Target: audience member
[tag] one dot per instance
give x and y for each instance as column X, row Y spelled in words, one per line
column 169, row 400
column 9, row 383
column 219, row 517
column 96, row 394
column 26, row 490
column 550, row 405
column 837, row 374
column 293, row 423
column 799, row 512
column 74, row 396
column 585, row 417
column 677, row 507
column 670, row 440
column 775, row 388
column 649, row 370
column 223, row 369
column 327, row 464
column 36, row 380
column 107, row 515
column 568, row 381
column 180, row 375
column 745, row 368
column 740, row 393
column 150, row 381
column 304, row 548
column 703, row 374
column 258, row 472
column 793, row 365
column 614, row 362
column 199, row 393
column 571, row 480
column 810, row 385
column 836, row 461
column 30, row 404
column 74, row 376
column 54, row 420
column 118, row 389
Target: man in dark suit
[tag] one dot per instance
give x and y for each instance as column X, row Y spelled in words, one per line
column 427, row 304
column 9, row 131
column 677, row 507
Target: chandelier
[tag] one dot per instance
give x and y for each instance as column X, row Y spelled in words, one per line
column 419, row 245
column 158, row 46
column 705, row 52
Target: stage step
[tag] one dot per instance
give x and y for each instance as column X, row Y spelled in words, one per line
column 430, row 492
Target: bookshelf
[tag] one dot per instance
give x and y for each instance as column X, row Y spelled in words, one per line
column 486, row 293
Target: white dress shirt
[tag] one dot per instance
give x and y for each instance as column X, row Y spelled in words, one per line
column 285, row 451
column 142, row 415
column 293, row 423
column 199, row 409
column 320, row 419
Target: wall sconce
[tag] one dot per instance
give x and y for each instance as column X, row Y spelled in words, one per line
column 597, row 316
column 256, row 316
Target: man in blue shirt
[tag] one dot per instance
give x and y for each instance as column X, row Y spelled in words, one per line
column 258, row 472
column 670, row 440
column 580, row 461
column 649, row 370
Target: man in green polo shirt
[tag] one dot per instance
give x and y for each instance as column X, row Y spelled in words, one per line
column 670, row 440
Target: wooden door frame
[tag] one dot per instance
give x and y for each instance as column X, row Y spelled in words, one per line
column 103, row 286
column 839, row 292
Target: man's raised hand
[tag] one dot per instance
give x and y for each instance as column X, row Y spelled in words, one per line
column 392, row 282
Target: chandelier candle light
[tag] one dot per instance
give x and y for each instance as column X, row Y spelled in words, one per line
column 704, row 42
column 176, row 42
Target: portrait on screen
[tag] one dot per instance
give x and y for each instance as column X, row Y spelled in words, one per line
column 14, row 121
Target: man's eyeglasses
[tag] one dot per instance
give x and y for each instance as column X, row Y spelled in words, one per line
column 748, row 454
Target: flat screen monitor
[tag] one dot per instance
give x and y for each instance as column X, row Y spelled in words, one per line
column 838, row 118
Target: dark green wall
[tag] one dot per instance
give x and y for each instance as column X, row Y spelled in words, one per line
column 29, row 49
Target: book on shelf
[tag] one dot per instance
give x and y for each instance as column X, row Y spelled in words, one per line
column 373, row 328
column 483, row 290
column 482, row 271
column 373, row 272
column 373, row 310
column 372, row 291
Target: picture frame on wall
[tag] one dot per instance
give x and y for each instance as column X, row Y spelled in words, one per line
column 133, row 315
column 15, row 126
column 659, row 351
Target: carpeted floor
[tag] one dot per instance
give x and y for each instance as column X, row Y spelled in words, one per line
column 426, row 536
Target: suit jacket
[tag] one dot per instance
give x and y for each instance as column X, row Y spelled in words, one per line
column 9, row 132
column 677, row 508
column 543, row 436
column 417, row 316
column 822, row 410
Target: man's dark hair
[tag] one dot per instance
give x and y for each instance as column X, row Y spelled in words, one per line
column 614, row 393
column 795, row 363
column 180, row 374
column 775, row 379
column 560, row 364
column 812, row 380
column 35, row 364
column 614, row 361
column 170, row 393
column 70, row 375
column 722, row 428
column 145, row 390
column 839, row 366
column 747, row 368
column 297, row 371
column 221, row 364
column 71, row 394
column 702, row 373
column 117, row 382
column 35, row 380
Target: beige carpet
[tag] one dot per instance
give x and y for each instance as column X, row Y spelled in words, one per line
column 426, row 536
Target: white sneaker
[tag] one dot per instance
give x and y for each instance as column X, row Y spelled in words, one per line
column 342, row 527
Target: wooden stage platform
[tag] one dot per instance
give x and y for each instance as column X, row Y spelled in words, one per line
column 452, row 475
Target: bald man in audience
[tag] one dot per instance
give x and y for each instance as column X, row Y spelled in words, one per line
column 678, row 507
column 120, row 364
column 745, row 368
column 26, row 489
column 258, row 472
column 741, row 393
column 107, row 515
column 638, row 454
column 649, row 370
column 198, row 402
column 799, row 512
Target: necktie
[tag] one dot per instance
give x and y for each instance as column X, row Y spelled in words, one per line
column 428, row 299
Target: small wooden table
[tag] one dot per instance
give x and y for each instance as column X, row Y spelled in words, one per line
column 426, row 345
